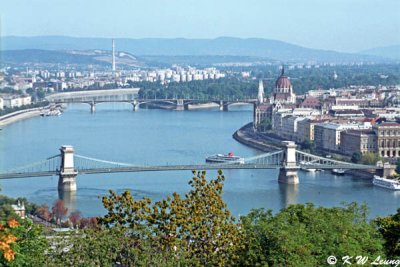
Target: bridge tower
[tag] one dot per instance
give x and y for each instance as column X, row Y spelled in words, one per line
column 288, row 171
column 67, row 176
column 385, row 169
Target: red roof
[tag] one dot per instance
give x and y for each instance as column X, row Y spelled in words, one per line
column 283, row 81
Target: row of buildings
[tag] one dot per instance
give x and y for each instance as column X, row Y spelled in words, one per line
column 343, row 121
column 13, row 101
column 61, row 80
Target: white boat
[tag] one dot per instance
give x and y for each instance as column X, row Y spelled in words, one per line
column 304, row 167
column 55, row 112
column 338, row 171
column 220, row 158
column 386, row 183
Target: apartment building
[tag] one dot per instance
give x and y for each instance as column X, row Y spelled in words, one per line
column 362, row 141
column 388, row 139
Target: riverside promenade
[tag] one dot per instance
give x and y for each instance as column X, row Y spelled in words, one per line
column 21, row 115
column 247, row 136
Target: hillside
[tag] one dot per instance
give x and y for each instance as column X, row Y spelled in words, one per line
column 85, row 57
column 391, row 52
column 223, row 46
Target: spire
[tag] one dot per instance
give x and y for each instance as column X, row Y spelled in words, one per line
column 283, row 70
column 260, row 96
column 113, row 55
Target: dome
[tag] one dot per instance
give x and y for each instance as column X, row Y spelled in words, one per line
column 283, row 81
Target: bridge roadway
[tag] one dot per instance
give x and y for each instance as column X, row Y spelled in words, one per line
column 68, row 165
column 181, row 168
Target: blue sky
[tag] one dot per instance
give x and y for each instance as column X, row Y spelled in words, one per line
column 342, row 25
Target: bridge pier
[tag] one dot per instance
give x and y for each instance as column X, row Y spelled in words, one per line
column 288, row 171
column 92, row 106
column 180, row 105
column 67, row 176
column 223, row 106
column 385, row 170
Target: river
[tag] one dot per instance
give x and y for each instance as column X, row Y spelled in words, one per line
column 114, row 132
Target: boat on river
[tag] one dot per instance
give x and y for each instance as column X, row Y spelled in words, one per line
column 386, row 183
column 338, row 171
column 220, row 158
column 55, row 112
column 304, row 166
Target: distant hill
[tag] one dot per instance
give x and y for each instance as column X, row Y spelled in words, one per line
column 77, row 57
column 392, row 52
column 223, row 46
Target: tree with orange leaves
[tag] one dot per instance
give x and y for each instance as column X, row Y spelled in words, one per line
column 59, row 210
column 21, row 243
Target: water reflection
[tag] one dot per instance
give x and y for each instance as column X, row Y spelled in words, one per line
column 289, row 194
column 69, row 198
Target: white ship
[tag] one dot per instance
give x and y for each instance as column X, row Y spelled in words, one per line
column 304, row 167
column 386, row 183
column 220, row 158
column 55, row 112
column 338, row 171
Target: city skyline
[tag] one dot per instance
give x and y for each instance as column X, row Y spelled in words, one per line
column 346, row 26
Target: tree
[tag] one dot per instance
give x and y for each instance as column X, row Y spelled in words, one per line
column 74, row 218
column 202, row 220
column 308, row 145
column 389, row 227
column 303, row 235
column 266, row 124
column 356, row 157
column 44, row 213
column 22, row 244
column 370, row 158
column 199, row 225
column 59, row 210
column 398, row 166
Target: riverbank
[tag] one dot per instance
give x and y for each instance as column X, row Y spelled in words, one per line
column 21, row 115
column 246, row 135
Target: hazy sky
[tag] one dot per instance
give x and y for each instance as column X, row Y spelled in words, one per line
column 343, row 25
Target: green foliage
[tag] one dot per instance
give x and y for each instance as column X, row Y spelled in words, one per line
column 303, row 235
column 389, row 227
column 266, row 124
column 108, row 246
column 7, row 212
column 398, row 166
column 308, row 146
column 305, row 79
column 29, row 246
column 225, row 88
column 356, row 157
column 198, row 226
column 370, row 158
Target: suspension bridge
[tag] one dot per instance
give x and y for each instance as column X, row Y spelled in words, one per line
column 67, row 165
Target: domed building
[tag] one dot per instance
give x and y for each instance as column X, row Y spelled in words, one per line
column 283, row 92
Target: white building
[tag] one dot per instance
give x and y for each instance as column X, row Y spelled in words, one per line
column 12, row 101
column 327, row 135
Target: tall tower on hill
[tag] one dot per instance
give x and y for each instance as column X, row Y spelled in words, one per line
column 113, row 55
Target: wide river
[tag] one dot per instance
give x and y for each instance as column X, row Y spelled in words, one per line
column 116, row 133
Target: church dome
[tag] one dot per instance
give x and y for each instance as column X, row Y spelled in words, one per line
column 283, row 81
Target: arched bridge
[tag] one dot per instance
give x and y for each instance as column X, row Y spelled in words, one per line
column 130, row 95
column 67, row 165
